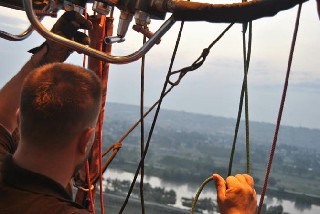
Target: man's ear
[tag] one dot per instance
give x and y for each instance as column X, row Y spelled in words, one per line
column 85, row 140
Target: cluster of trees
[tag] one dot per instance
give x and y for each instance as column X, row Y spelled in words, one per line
column 203, row 204
column 278, row 209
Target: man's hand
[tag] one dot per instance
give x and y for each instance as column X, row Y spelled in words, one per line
column 67, row 26
column 236, row 195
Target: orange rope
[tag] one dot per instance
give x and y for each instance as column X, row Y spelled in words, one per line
column 87, row 162
column 103, row 25
column 89, row 188
column 100, row 161
column 103, row 21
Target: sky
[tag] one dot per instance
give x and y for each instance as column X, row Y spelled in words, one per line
column 214, row 88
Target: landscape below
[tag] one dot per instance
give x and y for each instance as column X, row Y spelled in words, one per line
column 188, row 148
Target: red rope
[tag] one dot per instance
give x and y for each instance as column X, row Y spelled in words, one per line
column 89, row 186
column 87, row 162
column 100, row 160
column 101, row 117
column 284, row 93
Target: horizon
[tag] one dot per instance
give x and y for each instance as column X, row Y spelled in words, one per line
column 204, row 114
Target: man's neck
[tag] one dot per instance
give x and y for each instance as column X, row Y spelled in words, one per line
column 58, row 167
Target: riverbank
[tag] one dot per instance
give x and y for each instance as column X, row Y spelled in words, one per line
column 300, row 198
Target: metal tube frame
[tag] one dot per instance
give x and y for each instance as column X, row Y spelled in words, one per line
column 20, row 37
column 90, row 51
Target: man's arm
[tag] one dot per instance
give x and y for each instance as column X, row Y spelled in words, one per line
column 67, row 25
column 236, row 195
column 10, row 93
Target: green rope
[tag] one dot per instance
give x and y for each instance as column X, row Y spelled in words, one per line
column 143, row 209
column 246, row 60
column 236, row 130
column 243, row 95
column 198, row 193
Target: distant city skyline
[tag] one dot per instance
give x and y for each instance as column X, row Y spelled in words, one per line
column 215, row 88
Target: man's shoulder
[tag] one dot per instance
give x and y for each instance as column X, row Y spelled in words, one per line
column 66, row 207
column 23, row 191
column 16, row 201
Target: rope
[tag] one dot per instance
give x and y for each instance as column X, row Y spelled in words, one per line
column 167, row 91
column 285, row 87
column 247, row 101
column 89, row 184
column 87, row 162
column 246, row 56
column 164, row 92
column 137, row 123
column 100, row 161
column 246, row 64
column 199, row 61
column 154, row 120
column 106, row 25
column 143, row 210
column 198, row 193
column 116, row 147
column 103, row 69
column 171, row 87
column 96, row 167
column 246, row 69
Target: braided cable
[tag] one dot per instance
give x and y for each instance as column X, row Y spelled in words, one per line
column 283, row 98
column 198, row 193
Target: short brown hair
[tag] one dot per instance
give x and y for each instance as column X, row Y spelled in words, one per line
column 58, row 100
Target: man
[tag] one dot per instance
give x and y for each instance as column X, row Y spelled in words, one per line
column 56, row 115
column 55, row 108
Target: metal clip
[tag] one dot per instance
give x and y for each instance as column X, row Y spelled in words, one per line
column 102, row 8
column 69, row 6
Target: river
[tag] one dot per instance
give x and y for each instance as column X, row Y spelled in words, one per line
column 185, row 190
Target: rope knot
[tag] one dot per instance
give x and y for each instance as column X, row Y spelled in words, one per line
column 205, row 52
column 117, row 146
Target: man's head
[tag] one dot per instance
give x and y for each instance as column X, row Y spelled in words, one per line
column 58, row 103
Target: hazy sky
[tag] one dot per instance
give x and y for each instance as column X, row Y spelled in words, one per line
column 214, row 88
